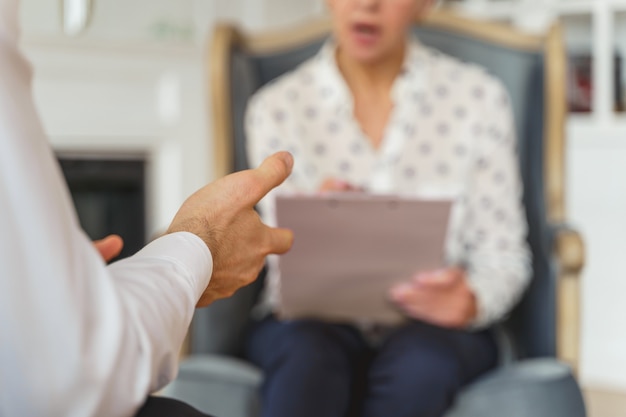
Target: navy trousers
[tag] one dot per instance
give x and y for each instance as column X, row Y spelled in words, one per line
column 316, row 369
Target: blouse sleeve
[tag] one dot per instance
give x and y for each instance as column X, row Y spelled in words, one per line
column 497, row 253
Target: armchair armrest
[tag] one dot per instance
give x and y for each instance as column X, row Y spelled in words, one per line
column 570, row 253
column 529, row 388
column 570, row 249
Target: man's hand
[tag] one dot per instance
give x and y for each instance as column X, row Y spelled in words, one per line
column 109, row 247
column 442, row 298
column 222, row 214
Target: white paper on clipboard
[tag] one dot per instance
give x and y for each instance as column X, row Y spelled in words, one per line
column 350, row 248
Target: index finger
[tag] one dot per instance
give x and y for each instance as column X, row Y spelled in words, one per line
column 272, row 172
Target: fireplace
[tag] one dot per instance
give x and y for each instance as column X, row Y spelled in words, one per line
column 128, row 124
column 110, row 197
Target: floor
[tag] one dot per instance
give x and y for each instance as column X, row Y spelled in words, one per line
column 605, row 403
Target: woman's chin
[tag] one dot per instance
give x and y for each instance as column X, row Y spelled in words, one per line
column 365, row 56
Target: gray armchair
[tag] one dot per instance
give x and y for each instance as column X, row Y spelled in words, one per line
column 542, row 328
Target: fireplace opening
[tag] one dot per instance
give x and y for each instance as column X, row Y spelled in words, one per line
column 109, row 196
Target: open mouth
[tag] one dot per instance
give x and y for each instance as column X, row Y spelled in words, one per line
column 366, row 30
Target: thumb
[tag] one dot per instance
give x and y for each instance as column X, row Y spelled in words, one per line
column 271, row 173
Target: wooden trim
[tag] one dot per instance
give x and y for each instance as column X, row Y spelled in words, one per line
column 224, row 39
column 555, row 115
column 568, row 319
column 569, row 247
column 496, row 33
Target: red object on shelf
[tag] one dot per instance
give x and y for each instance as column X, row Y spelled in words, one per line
column 580, row 84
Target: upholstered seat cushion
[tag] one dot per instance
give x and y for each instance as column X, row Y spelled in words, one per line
column 530, row 388
column 218, row 385
column 227, row 387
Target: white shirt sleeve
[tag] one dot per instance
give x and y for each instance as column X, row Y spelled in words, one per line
column 78, row 338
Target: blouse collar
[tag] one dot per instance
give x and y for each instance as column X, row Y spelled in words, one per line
column 411, row 81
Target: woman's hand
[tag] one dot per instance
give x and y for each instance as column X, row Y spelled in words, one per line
column 441, row 297
column 109, row 247
column 333, row 185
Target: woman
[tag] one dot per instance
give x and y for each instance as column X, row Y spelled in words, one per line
column 377, row 110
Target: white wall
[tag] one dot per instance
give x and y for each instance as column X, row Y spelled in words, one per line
column 597, row 204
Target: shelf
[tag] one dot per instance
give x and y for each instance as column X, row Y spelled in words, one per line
column 506, row 10
column 569, row 7
column 588, row 131
column 583, row 120
column 601, row 140
column 591, row 121
column 509, row 10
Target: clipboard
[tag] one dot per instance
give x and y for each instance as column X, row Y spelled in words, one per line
column 351, row 248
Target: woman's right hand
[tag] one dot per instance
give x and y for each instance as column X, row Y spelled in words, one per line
column 333, row 185
column 442, row 297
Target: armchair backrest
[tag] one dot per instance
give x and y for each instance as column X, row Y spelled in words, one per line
column 531, row 67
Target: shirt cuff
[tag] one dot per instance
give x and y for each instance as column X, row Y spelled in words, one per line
column 188, row 251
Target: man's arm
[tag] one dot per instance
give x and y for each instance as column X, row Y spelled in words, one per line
column 81, row 339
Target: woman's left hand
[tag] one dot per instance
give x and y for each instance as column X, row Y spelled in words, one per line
column 440, row 297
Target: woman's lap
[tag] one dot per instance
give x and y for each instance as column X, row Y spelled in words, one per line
column 420, row 368
column 308, row 366
column 317, row 367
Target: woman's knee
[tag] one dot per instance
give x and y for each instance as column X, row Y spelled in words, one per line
column 412, row 386
column 310, row 344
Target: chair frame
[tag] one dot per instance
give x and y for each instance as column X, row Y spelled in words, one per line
column 569, row 246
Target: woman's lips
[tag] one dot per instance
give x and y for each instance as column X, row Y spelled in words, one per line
column 365, row 34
